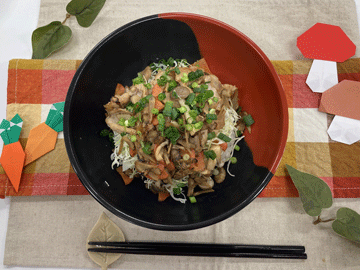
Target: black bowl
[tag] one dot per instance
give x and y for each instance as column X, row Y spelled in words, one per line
column 233, row 57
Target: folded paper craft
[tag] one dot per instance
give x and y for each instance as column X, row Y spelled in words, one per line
column 42, row 138
column 326, row 44
column 12, row 156
column 342, row 99
column 344, row 130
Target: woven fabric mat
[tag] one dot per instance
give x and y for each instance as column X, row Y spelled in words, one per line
column 50, row 231
column 33, row 85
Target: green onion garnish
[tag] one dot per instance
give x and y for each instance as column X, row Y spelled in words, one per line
column 215, row 99
column 211, row 116
column 104, row 133
column 180, row 121
column 148, row 85
column 123, row 134
column 172, row 85
column 184, row 78
column 237, row 148
column 192, row 199
column 248, row 120
column 174, row 114
column 139, row 79
column 133, row 138
column 132, row 121
column 193, row 113
column 161, row 96
column 155, row 111
column 177, row 70
column 121, row 122
column 211, row 135
column 198, row 125
column 176, row 191
column 233, row 160
column 190, row 99
column 210, row 154
column 161, row 120
column 172, row 134
column 194, row 85
column 195, row 75
column 223, row 137
column 189, row 127
column 147, row 148
column 139, row 132
column 182, row 109
column 168, row 108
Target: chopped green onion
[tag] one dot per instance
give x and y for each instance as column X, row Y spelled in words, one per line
column 163, row 80
column 130, row 107
column 180, row 121
column 172, row 85
column 133, row 138
column 237, row 148
column 197, row 90
column 171, row 61
column 174, row 114
column 186, row 157
column 223, row 137
column 182, row 109
column 192, row 199
column 168, row 108
column 204, row 86
column 210, row 154
column 123, row 134
column 211, row 135
column 181, row 185
column 198, row 125
column 194, row 85
column 176, row 191
column 155, row 111
column 211, row 116
column 139, row 79
column 195, row 75
column 172, row 134
column 132, row 121
column 175, row 95
column 209, row 121
column 177, row 70
column 239, row 109
column 104, row 133
column 248, row 120
column 212, row 111
column 184, row 78
column 146, row 147
column 210, row 101
column 238, row 133
column 215, row 99
column 111, row 136
column 161, row 120
column 190, row 120
column 161, row 96
column 188, row 127
column 193, row 113
column 121, row 122
column 139, row 132
column 233, row 160
column 190, row 99
column 148, row 85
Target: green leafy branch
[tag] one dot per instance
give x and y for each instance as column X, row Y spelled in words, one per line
column 315, row 195
column 50, row 38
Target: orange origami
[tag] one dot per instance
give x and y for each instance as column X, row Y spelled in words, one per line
column 12, row 156
column 42, row 138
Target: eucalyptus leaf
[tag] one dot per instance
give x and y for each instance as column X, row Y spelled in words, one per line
column 347, row 224
column 314, row 193
column 105, row 230
column 49, row 38
column 85, row 10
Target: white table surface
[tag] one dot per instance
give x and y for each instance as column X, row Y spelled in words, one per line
column 18, row 19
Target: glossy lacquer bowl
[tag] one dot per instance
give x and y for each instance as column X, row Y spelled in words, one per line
column 231, row 56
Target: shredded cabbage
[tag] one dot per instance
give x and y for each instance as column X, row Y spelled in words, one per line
column 124, row 158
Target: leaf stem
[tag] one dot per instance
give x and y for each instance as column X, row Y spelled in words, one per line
column 320, row 220
column 67, row 17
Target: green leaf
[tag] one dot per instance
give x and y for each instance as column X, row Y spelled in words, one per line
column 85, row 10
column 347, row 224
column 49, row 38
column 314, row 193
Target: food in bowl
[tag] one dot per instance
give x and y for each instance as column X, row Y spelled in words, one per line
column 176, row 126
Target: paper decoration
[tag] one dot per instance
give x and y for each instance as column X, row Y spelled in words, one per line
column 344, row 130
column 322, row 76
column 328, row 43
column 342, row 99
column 12, row 156
column 42, row 138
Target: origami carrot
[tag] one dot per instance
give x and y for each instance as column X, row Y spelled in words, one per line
column 12, row 156
column 42, row 138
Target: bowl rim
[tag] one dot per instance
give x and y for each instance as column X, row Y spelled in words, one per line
column 166, row 227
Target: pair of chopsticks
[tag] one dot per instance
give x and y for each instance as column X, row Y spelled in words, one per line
column 201, row 250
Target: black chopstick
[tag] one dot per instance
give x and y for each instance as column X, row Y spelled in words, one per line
column 197, row 249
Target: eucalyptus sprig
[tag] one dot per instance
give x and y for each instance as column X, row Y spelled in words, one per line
column 315, row 195
column 50, row 38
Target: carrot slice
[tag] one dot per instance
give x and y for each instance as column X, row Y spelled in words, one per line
column 162, row 196
column 192, row 153
column 200, row 165
column 127, row 180
column 170, row 166
column 203, row 64
column 120, row 89
column 155, row 121
column 161, row 165
column 163, row 175
column 159, row 105
column 156, row 90
column 224, row 146
column 132, row 152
